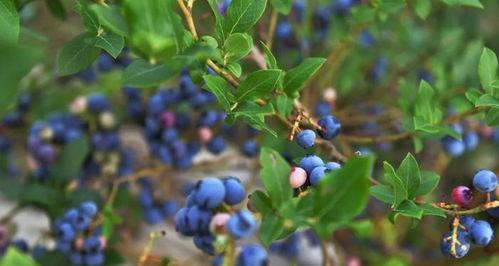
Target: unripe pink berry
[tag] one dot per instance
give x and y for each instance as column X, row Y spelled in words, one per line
column 103, row 242
column 79, row 243
column 329, row 95
column 354, row 261
column 462, row 196
column 4, row 236
column 79, row 105
column 106, row 120
column 297, row 177
column 205, row 134
column 218, row 223
column 167, row 119
column 32, row 163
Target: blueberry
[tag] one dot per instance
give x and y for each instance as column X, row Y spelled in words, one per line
column 317, row 174
column 379, row 68
column 425, row 75
column 63, row 246
column 187, row 86
column 209, row 192
column 205, row 243
column 462, row 245
column 169, row 135
column 216, row 145
column 330, row 127
column 81, row 222
column 97, row 103
column 92, row 244
column 306, row 138
column 21, row 245
column 94, row 259
column 165, row 155
column 169, row 208
column 105, row 62
column 284, row 30
column 485, row 181
column 250, row 148
column 309, row 162
column 241, row 225
column 145, row 198
column 184, row 162
column 179, row 148
column 366, row 39
column 332, row 165
column 46, row 154
column 234, row 191
column 193, row 220
column 218, row 260
column 323, row 108
column 38, row 251
column 453, row 146
column 462, row 196
column 470, row 140
column 494, row 212
column 155, row 104
column 76, row 258
column 208, row 118
column 88, row 208
column 481, row 233
column 252, row 255
column 88, row 75
column 198, row 100
column 153, row 215
column 24, row 102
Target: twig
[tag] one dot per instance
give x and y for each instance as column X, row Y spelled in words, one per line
column 147, row 249
column 272, row 26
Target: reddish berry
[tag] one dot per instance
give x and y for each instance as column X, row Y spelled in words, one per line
column 462, row 196
column 297, row 177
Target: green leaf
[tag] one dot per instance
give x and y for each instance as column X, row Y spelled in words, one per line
column 334, row 200
column 270, row 60
column 428, row 209
column 472, row 95
column 56, row 8
column 234, row 68
column 258, row 84
column 77, row 54
column 219, row 19
column 258, row 122
column 363, row 14
column 111, row 42
column 283, row 104
column 261, row 201
column 429, row 181
column 274, row 175
column 487, row 68
column 282, row 6
column 242, row 15
column 110, row 17
column 110, row 220
column 200, row 51
column 399, row 189
column 221, row 89
column 492, row 117
column 472, row 3
column 407, row 208
column 427, row 113
column 271, row 228
column 90, row 20
column 408, row 172
column 141, row 73
column 155, row 30
column 251, row 109
column 68, row 164
column 237, row 46
column 487, row 100
column 11, row 73
column 383, row 193
column 14, row 256
column 9, row 22
column 422, row 8
column 296, row 77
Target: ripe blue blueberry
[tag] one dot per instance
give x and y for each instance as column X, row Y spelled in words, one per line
column 250, row 148
column 21, row 245
column 97, row 103
column 471, row 140
column 485, row 181
column 323, row 108
column 105, row 62
column 453, row 146
column 208, row 118
column 284, row 30
column 76, row 257
column 241, row 225
column 461, row 245
column 216, row 145
column 234, row 191
column 317, row 174
column 169, row 135
column 306, row 138
column 205, row 243
column 481, row 233
column 330, row 127
column 332, row 165
column 309, row 162
column 88, row 208
column 209, row 193
column 94, row 259
column 168, row 208
column 252, row 255
column 153, row 215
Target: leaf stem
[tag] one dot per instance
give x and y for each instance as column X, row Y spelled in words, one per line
column 272, row 26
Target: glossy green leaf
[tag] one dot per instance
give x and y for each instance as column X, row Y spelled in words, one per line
column 422, row 8
column 296, row 77
column 427, row 113
column 399, row 190
column 9, row 22
column 251, row 108
column 261, row 201
column 77, row 54
column 487, row 100
column 283, row 6
column 408, row 172
column 234, row 68
column 221, row 89
column 270, row 60
column 141, row 73
column 68, row 164
column 407, row 208
column 274, row 175
column 242, row 15
column 271, row 228
column 219, row 20
column 111, row 42
column 258, row 122
column 258, row 84
column 237, row 46
column 111, row 18
column 383, row 193
column 492, row 117
column 428, row 209
column 472, row 3
column 90, row 20
column 283, row 105
column 56, row 8
column 487, row 68
column 429, row 181
column 14, row 257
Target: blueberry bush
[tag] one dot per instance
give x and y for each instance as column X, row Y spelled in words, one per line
column 249, row 132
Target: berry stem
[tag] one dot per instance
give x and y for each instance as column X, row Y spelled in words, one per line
column 147, row 249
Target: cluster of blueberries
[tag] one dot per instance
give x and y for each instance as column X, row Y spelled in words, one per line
column 154, row 210
column 105, row 63
column 210, row 219
column 468, row 230
column 75, row 236
column 312, row 168
column 91, row 116
column 469, row 139
column 11, row 120
column 170, row 114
